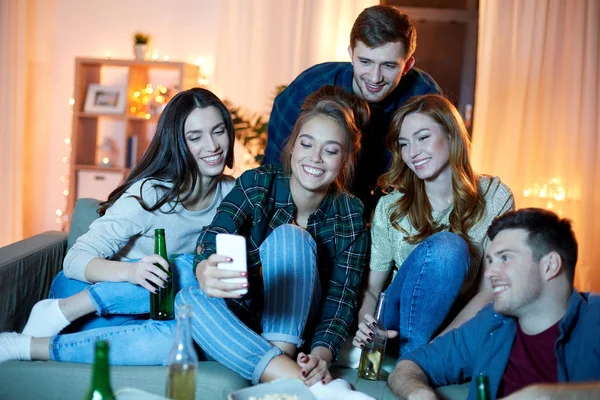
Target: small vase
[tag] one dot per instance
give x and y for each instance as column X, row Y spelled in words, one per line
column 139, row 52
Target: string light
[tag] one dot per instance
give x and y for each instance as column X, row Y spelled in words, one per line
column 61, row 215
column 550, row 192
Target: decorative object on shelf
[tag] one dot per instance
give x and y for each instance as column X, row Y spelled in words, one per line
column 149, row 101
column 102, row 99
column 140, row 45
column 106, row 153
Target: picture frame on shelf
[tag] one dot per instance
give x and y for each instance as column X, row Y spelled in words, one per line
column 105, row 99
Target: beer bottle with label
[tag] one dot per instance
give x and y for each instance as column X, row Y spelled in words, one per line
column 483, row 387
column 181, row 380
column 100, row 388
column 372, row 355
column 162, row 303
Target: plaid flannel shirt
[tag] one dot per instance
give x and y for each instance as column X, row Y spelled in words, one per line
column 260, row 202
column 375, row 157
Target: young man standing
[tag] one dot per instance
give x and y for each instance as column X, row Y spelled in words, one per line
column 539, row 339
column 382, row 43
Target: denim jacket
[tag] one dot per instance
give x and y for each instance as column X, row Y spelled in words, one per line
column 483, row 345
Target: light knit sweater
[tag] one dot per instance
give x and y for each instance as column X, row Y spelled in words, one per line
column 126, row 231
column 390, row 250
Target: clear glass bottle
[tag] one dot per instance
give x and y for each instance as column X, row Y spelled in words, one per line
column 372, row 355
column 100, row 388
column 483, row 387
column 162, row 303
column 181, row 380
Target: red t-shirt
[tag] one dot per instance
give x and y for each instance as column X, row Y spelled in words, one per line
column 532, row 360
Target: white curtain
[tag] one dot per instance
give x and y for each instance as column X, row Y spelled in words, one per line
column 265, row 43
column 537, row 111
column 13, row 16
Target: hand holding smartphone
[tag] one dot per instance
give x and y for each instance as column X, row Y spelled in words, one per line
column 234, row 247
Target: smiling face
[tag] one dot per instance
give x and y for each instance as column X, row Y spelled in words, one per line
column 377, row 71
column 425, row 147
column 207, row 139
column 514, row 274
column 317, row 155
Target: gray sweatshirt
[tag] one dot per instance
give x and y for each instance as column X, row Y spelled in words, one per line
column 126, row 231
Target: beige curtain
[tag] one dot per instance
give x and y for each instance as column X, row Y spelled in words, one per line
column 265, row 43
column 537, row 119
column 13, row 40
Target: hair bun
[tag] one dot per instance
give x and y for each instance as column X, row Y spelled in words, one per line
column 359, row 107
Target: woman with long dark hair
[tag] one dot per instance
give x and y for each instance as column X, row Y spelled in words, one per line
column 177, row 185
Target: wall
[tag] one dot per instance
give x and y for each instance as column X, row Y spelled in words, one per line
column 61, row 30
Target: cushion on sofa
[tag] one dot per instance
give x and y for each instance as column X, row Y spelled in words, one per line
column 85, row 212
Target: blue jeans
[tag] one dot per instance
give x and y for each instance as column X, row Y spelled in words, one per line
column 133, row 341
column 118, row 303
column 425, row 288
column 238, row 333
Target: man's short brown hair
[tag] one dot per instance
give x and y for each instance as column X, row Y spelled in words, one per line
column 379, row 25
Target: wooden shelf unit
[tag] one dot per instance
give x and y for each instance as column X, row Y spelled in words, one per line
column 85, row 126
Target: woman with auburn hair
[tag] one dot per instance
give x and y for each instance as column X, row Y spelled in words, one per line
column 430, row 229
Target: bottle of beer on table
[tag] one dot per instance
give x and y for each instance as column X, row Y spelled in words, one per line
column 181, row 379
column 483, row 388
column 162, row 303
column 100, row 387
column 372, row 355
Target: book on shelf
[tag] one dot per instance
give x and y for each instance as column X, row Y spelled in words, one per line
column 131, row 159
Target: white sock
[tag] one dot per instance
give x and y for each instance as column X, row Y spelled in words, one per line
column 338, row 389
column 14, row 346
column 46, row 319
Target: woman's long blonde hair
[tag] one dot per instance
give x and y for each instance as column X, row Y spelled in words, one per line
column 468, row 203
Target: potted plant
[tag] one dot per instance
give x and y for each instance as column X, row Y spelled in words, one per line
column 140, row 45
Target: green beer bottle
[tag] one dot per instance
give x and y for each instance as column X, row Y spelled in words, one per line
column 483, row 388
column 100, row 387
column 162, row 303
column 181, row 379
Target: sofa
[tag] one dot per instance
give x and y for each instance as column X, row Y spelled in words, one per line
column 26, row 272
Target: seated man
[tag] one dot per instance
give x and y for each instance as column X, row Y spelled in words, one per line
column 539, row 339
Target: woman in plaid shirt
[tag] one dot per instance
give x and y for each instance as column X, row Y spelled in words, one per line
column 306, row 247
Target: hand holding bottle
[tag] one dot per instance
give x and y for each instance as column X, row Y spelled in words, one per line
column 146, row 274
column 366, row 332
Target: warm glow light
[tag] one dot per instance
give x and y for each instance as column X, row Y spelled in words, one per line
column 551, row 191
column 59, row 212
column 198, row 61
column 202, row 81
column 148, row 116
column 107, row 55
column 105, row 160
column 165, row 58
column 68, row 141
column 65, row 159
column 65, row 192
column 71, row 101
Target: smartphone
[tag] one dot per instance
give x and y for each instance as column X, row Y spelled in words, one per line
column 234, row 247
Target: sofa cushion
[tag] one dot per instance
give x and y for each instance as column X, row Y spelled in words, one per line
column 85, row 212
column 61, row 380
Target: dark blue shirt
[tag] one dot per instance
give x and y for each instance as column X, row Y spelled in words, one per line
column 375, row 157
